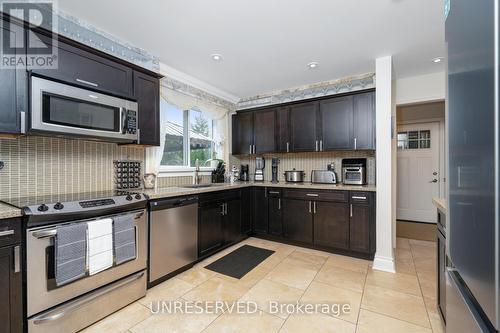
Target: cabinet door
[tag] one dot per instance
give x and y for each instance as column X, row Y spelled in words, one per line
column 336, row 117
column 232, row 221
column 297, row 220
column 265, row 131
column 242, row 133
column 147, row 93
column 303, row 127
column 364, row 120
column 331, row 224
column 13, row 92
column 283, row 128
column 11, row 309
column 88, row 68
column 359, row 239
column 260, row 221
column 211, row 236
column 275, row 221
column 246, row 211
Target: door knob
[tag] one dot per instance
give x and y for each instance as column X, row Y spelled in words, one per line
column 433, row 181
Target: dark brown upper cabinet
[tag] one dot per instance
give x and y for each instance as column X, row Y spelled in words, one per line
column 283, row 130
column 264, row 131
column 364, row 121
column 13, row 88
column 242, row 138
column 304, row 127
column 147, row 94
column 336, row 119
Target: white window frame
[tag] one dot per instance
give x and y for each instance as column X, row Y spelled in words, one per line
column 184, row 170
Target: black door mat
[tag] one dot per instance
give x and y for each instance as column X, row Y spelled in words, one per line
column 239, row 262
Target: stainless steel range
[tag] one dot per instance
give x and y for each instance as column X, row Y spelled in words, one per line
column 70, row 307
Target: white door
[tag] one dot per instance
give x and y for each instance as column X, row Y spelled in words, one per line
column 418, row 171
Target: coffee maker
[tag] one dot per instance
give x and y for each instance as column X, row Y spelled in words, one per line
column 259, row 169
column 244, row 173
column 274, row 169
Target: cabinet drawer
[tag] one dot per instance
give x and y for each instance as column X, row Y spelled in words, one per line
column 10, row 231
column 361, row 197
column 273, row 192
column 80, row 67
column 223, row 195
column 337, row 196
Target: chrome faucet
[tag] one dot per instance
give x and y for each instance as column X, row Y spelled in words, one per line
column 196, row 176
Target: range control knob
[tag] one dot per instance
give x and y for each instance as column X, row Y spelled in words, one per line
column 129, row 197
column 138, row 196
column 43, row 208
column 58, row 206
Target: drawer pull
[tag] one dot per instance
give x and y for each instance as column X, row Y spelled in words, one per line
column 274, row 192
column 312, row 195
column 87, row 82
column 6, row 233
column 359, row 198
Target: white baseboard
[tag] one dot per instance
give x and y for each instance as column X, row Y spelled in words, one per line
column 385, row 264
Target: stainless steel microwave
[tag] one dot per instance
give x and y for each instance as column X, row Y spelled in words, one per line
column 64, row 110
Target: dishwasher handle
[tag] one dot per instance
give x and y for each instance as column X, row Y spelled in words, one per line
column 172, row 203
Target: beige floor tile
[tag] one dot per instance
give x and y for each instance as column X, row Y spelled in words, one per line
column 306, row 260
column 120, row 321
column 291, row 275
column 428, row 285
column 405, row 267
column 196, row 275
column 402, row 243
column 249, row 279
column 317, row 323
column 323, row 293
column 216, row 289
column 233, row 323
column 437, row 323
column 371, row 322
column 425, row 264
column 284, row 250
column 353, row 264
column 271, row 262
column 342, row 278
column 420, row 251
column 403, row 254
column 174, row 323
column 167, row 291
column 395, row 281
column 267, row 290
column 422, row 243
column 395, row 304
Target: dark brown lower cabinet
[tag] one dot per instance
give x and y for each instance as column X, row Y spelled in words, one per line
column 331, row 224
column 275, row 220
column 232, row 221
column 210, row 229
column 298, row 220
column 359, row 239
column 246, row 210
column 260, row 223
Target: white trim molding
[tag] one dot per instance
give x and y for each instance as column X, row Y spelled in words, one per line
column 385, row 264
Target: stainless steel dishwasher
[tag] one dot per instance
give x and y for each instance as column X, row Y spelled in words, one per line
column 173, row 243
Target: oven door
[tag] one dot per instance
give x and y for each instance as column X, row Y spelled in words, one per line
column 353, row 176
column 41, row 290
column 66, row 110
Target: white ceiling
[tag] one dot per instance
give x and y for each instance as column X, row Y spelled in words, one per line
column 266, row 44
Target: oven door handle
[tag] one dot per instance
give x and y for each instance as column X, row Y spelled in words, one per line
column 45, row 233
column 72, row 306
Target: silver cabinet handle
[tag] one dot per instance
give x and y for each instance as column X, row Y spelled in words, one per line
column 222, row 209
column 254, row 149
column 316, row 145
column 314, row 206
column 72, row 306
column 225, row 205
column 310, row 203
column 250, row 148
column 138, row 135
column 320, row 145
column 17, row 259
column 274, row 192
column 288, row 147
column 23, row 122
column 279, row 203
column 87, row 83
column 312, row 195
column 350, row 213
column 358, row 198
column 355, row 143
column 9, row 232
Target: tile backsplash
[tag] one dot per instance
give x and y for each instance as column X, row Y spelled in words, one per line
column 307, row 162
column 45, row 166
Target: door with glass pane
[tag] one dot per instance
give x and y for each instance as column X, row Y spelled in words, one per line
column 418, row 179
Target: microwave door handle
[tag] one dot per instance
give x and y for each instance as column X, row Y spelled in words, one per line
column 123, row 116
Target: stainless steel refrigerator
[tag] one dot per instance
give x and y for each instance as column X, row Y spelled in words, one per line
column 472, row 292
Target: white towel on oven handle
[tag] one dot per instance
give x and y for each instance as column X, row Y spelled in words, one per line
column 100, row 245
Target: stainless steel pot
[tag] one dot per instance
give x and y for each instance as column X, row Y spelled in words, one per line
column 294, row 176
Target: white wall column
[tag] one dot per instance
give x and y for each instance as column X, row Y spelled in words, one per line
column 386, row 165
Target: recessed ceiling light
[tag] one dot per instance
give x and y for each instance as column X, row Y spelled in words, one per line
column 216, row 57
column 437, row 60
column 313, row 65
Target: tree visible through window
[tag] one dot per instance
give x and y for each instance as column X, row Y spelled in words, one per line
column 181, row 148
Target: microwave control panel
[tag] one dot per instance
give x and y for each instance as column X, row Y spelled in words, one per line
column 131, row 122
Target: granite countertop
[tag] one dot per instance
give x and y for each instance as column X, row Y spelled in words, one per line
column 440, row 203
column 7, row 211
column 179, row 191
